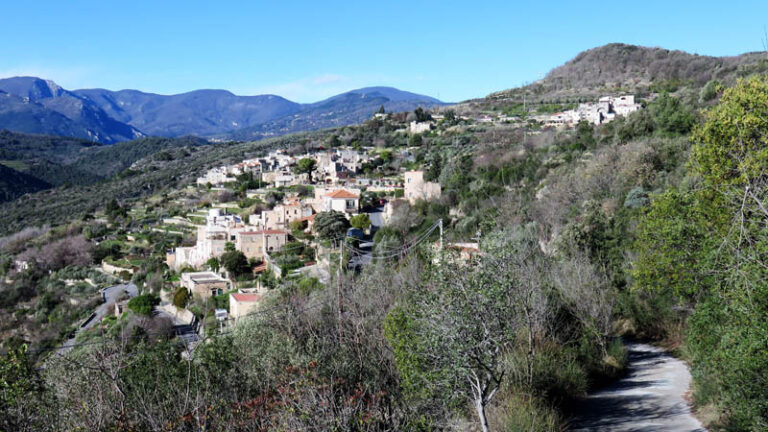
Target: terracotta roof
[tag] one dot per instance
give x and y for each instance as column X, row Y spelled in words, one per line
column 241, row 297
column 259, row 268
column 264, row 232
column 307, row 218
column 341, row 193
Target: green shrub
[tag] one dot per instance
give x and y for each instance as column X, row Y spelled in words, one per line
column 636, row 198
column 181, row 298
column 558, row 376
column 143, row 304
column 519, row 411
column 709, row 91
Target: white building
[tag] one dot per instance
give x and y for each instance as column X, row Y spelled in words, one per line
column 605, row 110
column 341, row 200
column 419, row 127
column 211, row 240
column 215, row 176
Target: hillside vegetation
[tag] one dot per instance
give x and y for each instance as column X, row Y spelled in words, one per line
column 634, row 69
column 54, row 161
column 127, row 171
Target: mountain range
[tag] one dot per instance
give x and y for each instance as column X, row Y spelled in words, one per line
column 35, row 105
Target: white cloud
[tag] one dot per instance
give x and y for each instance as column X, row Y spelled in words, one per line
column 313, row 88
column 329, row 78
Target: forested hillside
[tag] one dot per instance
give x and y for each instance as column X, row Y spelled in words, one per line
column 635, row 69
column 14, row 184
column 60, row 161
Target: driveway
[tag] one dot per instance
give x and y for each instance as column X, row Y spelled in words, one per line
column 649, row 398
column 377, row 217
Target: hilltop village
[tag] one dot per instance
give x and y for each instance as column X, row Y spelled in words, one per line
column 295, row 188
column 260, row 222
column 277, row 240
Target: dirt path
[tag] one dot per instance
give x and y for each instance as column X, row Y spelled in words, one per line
column 649, row 398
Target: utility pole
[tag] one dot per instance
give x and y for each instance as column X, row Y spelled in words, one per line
column 338, row 288
column 440, row 224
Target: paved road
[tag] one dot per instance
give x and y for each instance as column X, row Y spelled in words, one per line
column 648, row 399
column 359, row 259
column 377, row 217
column 109, row 295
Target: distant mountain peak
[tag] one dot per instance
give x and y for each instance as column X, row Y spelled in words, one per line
column 42, row 106
column 31, row 87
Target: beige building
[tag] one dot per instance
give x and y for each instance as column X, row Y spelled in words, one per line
column 204, row 284
column 419, row 127
column 254, row 244
column 281, row 216
column 417, row 189
column 241, row 304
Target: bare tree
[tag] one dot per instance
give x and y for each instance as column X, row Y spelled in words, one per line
column 586, row 293
column 467, row 321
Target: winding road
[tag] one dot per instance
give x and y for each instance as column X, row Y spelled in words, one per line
column 109, row 296
column 648, row 399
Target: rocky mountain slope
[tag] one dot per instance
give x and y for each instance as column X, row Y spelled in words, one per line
column 33, row 105
column 200, row 112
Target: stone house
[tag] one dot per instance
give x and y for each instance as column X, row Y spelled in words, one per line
column 417, row 189
column 281, row 215
column 256, row 244
column 204, row 284
column 241, row 304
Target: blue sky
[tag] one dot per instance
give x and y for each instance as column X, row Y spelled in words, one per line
column 309, row 50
